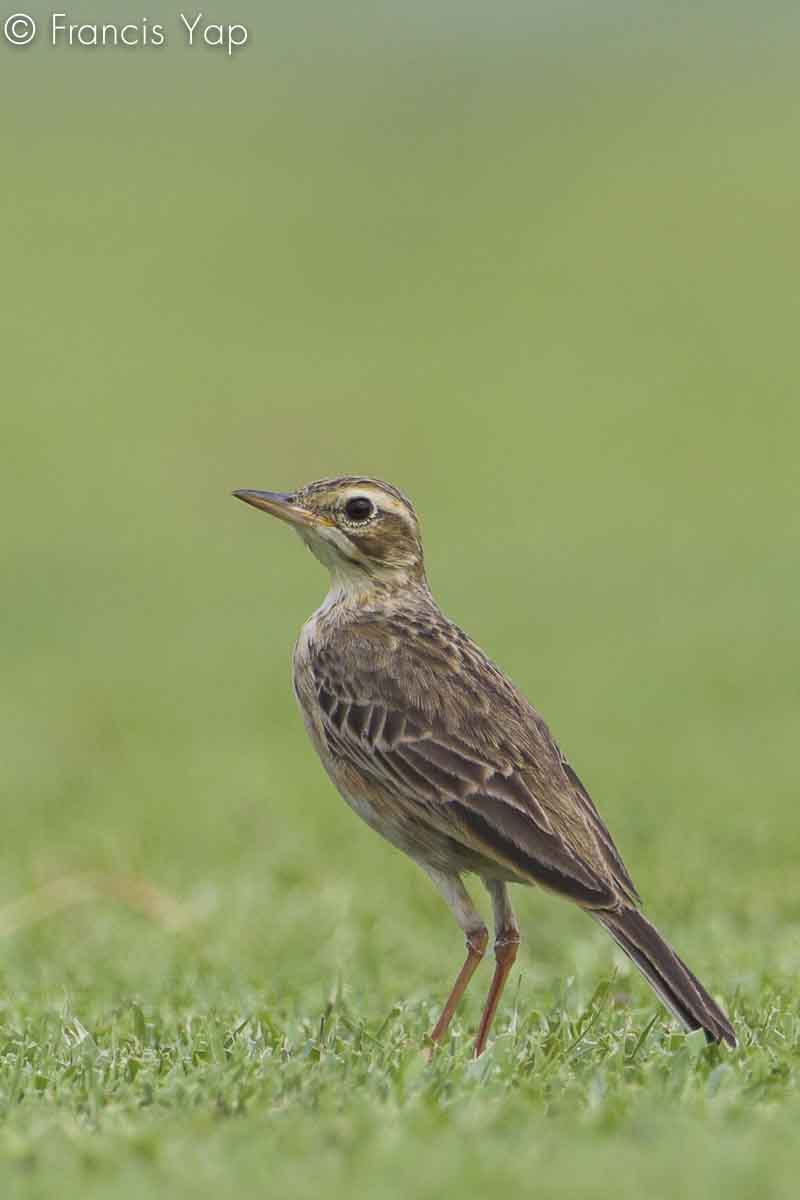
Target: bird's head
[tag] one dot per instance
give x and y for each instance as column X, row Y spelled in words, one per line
column 361, row 529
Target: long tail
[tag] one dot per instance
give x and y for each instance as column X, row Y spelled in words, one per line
column 667, row 974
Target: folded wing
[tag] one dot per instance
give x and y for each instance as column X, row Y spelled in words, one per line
column 435, row 725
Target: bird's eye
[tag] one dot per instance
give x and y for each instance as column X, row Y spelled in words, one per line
column 359, row 508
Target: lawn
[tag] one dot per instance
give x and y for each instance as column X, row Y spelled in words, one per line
column 541, row 276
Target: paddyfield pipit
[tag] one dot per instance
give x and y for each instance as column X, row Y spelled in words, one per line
column 440, row 753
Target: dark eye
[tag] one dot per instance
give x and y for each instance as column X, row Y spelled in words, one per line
column 358, row 508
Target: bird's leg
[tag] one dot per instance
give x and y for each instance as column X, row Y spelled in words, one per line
column 476, row 934
column 476, row 948
column 506, row 942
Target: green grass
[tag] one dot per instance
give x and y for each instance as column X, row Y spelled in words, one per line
column 196, row 1099
column 545, row 281
column 192, row 1099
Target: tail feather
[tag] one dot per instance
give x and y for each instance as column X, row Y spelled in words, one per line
column 667, row 974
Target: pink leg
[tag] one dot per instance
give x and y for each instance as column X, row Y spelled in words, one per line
column 506, row 944
column 505, row 952
column 476, row 947
column 470, row 920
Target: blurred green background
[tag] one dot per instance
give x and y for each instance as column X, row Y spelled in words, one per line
column 536, row 265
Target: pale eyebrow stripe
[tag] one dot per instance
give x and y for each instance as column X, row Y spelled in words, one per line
column 381, row 499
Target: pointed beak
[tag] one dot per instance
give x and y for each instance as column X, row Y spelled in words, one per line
column 279, row 504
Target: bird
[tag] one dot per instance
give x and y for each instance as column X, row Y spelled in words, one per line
column 438, row 751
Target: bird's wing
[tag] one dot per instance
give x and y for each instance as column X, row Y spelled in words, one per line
column 428, row 719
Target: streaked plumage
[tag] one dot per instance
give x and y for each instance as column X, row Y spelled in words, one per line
column 440, row 753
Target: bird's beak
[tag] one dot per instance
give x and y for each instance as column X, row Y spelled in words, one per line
column 279, row 504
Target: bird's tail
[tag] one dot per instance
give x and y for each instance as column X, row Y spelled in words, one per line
column 667, row 974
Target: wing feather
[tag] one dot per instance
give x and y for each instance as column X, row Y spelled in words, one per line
column 436, row 727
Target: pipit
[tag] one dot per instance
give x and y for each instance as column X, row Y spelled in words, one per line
column 440, row 753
